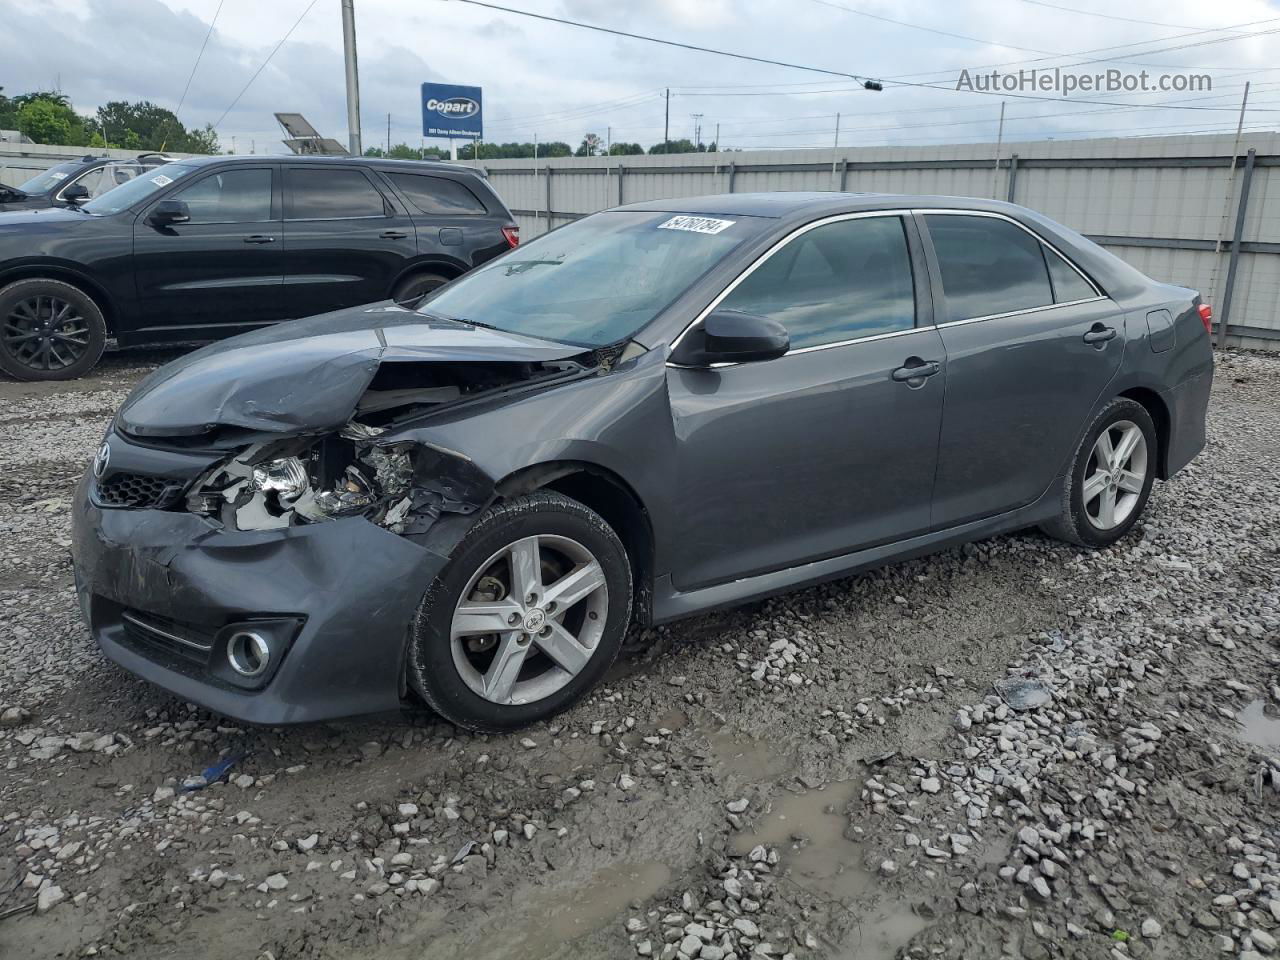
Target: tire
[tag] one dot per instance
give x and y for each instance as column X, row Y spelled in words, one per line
column 410, row 291
column 49, row 330
column 1083, row 519
column 453, row 664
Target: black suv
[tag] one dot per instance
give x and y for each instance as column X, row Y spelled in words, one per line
column 76, row 181
column 208, row 247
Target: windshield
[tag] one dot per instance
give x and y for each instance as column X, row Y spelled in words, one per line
column 46, row 180
column 593, row 282
column 139, row 188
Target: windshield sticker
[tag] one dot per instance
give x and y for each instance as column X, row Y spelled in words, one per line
column 160, row 180
column 58, row 176
column 696, row 224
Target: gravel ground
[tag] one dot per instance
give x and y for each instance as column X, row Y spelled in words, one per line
column 1017, row 748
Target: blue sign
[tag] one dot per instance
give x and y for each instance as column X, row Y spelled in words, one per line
column 449, row 110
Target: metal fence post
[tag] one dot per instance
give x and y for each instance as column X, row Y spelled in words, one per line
column 1241, row 210
column 844, row 172
column 548, row 169
column 732, row 169
column 621, row 171
column 1013, row 176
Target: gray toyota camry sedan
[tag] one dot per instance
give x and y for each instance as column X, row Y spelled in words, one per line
column 656, row 411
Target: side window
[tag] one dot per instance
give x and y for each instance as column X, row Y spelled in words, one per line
column 988, row 266
column 92, row 181
column 232, row 196
column 841, row 281
column 1068, row 285
column 436, row 195
column 318, row 194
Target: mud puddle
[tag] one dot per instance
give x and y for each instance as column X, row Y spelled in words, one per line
column 880, row 932
column 808, row 830
column 1260, row 725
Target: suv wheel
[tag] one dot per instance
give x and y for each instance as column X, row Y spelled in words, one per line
column 410, row 291
column 1110, row 478
column 526, row 618
column 49, row 330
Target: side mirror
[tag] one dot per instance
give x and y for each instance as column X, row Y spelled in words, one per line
column 168, row 212
column 77, row 193
column 731, row 336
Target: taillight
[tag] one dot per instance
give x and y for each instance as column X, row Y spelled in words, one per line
column 512, row 234
column 1206, row 317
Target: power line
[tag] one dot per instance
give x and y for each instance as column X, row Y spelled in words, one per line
column 941, row 33
column 199, row 56
column 853, row 76
column 1111, row 16
column 264, row 63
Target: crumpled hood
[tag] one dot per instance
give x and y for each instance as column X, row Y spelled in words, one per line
column 309, row 374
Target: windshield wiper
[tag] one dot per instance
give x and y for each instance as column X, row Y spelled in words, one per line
column 520, row 266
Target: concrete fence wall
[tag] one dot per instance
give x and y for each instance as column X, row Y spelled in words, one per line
column 1170, row 206
column 1190, row 210
column 22, row 161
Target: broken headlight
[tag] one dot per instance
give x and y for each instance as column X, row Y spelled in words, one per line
column 286, row 478
column 353, row 493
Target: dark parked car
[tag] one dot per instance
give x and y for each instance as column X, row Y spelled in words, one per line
column 76, row 181
column 213, row 246
column 653, row 412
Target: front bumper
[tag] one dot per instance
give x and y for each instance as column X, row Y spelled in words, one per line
column 349, row 587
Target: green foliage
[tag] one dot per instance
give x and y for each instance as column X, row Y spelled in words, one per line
column 48, row 117
column 45, row 121
column 625, row 149
column 675, row 146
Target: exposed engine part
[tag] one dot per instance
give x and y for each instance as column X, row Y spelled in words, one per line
column 351, row 495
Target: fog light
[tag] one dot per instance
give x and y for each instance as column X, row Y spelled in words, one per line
column 286, row 478
column 248, row 653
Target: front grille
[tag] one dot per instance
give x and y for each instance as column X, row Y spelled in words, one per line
column 151, row 634
column 137, row 491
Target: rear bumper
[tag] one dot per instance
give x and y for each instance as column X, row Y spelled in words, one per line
column 1189, row 407
column 341, row 596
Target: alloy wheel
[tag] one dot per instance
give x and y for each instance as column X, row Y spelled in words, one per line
column 529, row 619
column 1115, row 475
column 46, row 333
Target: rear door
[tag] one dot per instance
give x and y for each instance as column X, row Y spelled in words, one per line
column 222, row 268
column 346, row 240
column 1031, row 344
column 832, row 447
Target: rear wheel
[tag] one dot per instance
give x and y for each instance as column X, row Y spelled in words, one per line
column 526, row 617
column 410, row 291
column 1111, row 477
column 49, row 330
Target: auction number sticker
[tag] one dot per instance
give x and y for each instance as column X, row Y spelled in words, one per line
column 58, row 176
column 160, row 180
column 696, row 224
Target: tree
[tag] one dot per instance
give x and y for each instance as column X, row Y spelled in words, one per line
column 625, row 149
column 44, row 121
column 590, row 146
column 674, row 146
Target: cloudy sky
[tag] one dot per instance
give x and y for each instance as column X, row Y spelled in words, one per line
column 559, row 82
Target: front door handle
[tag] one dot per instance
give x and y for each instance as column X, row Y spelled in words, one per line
column 1099, row 334
column 259, row 238
column 916, row 369
column 393, row 234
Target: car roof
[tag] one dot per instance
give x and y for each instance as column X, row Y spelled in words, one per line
column 382, row 163
column 787, row 204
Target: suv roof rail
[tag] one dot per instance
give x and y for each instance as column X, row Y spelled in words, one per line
column 156, row 156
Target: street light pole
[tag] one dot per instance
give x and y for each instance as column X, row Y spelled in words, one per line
column 353, row 80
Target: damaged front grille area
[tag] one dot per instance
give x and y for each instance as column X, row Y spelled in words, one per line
column 137, row 491
column 150, row 634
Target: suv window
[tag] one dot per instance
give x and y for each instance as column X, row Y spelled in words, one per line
column 316, row 194
column 231, row 196
column 841, row 281
column 436, row 195
column 988, row 266
column 1068, row 285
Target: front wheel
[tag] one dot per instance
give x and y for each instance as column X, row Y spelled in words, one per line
column 526, row 618
column 1111, row 477
column 410, row 291
column 49, row 330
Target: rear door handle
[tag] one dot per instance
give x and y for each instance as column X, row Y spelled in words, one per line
column 259, row 238
column 1100, row 334
column 916, row 369
column 393, row 234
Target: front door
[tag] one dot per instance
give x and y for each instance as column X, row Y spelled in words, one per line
column 1031, row 344
column 831, row 448
column 221, row 271
column 345, row 240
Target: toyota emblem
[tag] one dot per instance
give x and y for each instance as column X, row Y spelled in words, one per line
column 101, row 460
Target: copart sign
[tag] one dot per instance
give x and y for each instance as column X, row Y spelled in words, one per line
column 452, row 111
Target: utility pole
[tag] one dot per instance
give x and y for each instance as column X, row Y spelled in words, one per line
column 388, row 134
column 995, row 173
column 697, row 129
column 835, row 147
column 717, row 138
column 353, row 80
column 1226, row 212
column 666, row 124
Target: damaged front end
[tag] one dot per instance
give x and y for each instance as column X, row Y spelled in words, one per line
column 403, row 486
